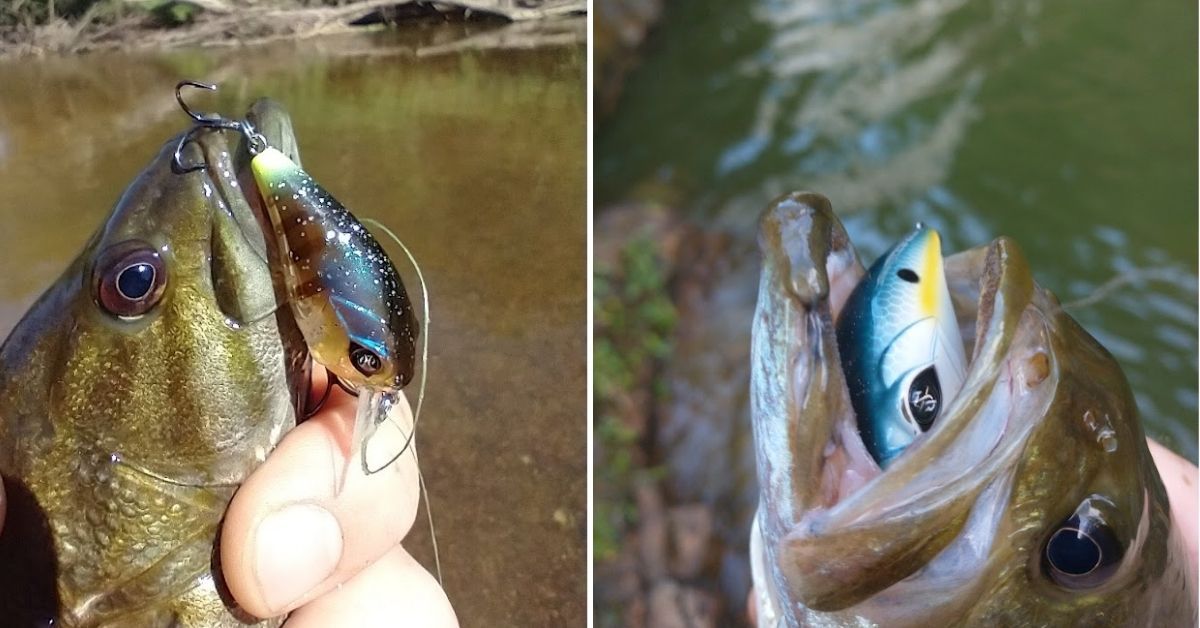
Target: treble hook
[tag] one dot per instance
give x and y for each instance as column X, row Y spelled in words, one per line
column 200, row 118
column 254, row 140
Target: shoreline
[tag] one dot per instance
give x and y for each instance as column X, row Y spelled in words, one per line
column 129, row 26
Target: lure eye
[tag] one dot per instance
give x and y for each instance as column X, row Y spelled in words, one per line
column 907, row 275
column 924, row 398
column 1083, row 552
column 365, row 360
column 129, row 279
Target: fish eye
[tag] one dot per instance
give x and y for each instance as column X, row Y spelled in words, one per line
column 924, row 399
column 365, row 360
column 907, row 275
column 129, row 279
column 1082, row 552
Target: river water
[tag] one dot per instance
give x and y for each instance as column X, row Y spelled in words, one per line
column 1069, row 126
column 477, row 159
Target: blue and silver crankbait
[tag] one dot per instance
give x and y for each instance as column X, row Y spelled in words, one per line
column 900, row 347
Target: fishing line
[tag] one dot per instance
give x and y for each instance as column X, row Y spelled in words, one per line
column 437, row 561
column 1101, row 292
column 424, row 343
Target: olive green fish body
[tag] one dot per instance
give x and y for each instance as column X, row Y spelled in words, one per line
column 978, row 523
column 133, row 405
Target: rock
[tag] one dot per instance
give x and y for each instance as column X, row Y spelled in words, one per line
column 691, row 540
column 676, row 606
column 703, row 434
column 617, row 226
column 652, row 531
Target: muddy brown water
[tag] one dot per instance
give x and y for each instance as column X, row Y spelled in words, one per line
column 477, row 160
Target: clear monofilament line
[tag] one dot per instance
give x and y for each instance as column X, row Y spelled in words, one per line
column 424, row 345
column 409, row 442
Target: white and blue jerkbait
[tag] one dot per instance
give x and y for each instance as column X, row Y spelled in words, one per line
column 900, row 346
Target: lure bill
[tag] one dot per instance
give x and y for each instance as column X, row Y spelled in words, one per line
column 900, row 346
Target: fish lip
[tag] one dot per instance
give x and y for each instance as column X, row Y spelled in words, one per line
column 819, row 487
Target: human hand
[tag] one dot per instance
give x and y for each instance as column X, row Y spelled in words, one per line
column 290, row 542
column 1178, row 476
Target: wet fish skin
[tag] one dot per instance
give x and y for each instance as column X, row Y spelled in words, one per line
column 97, row 411
column 953, row 532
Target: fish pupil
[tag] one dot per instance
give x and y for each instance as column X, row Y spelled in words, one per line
column 907, row 275
column 1084, row 551
column 925, row 398
column 136, row 280
column 1071, row 551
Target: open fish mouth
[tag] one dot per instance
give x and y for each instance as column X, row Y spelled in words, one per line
column 842, row 535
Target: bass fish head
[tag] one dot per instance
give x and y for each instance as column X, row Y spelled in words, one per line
column 1031, row 500
column 142, row 387
column 900, row 345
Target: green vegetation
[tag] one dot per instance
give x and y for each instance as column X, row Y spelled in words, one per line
column 634, row 318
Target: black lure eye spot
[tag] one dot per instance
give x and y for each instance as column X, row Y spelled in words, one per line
column 1082, row 552
column 365, row 360
column 129, row 279
column 907, row 275
column 924, row 398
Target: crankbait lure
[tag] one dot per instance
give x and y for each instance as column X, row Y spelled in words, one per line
column 345, row 294
column 900, row 346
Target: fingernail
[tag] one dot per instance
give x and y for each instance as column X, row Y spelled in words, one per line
column 297, row 548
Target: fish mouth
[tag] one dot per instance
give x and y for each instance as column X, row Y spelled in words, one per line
column 849, row 533
column 239, row 236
